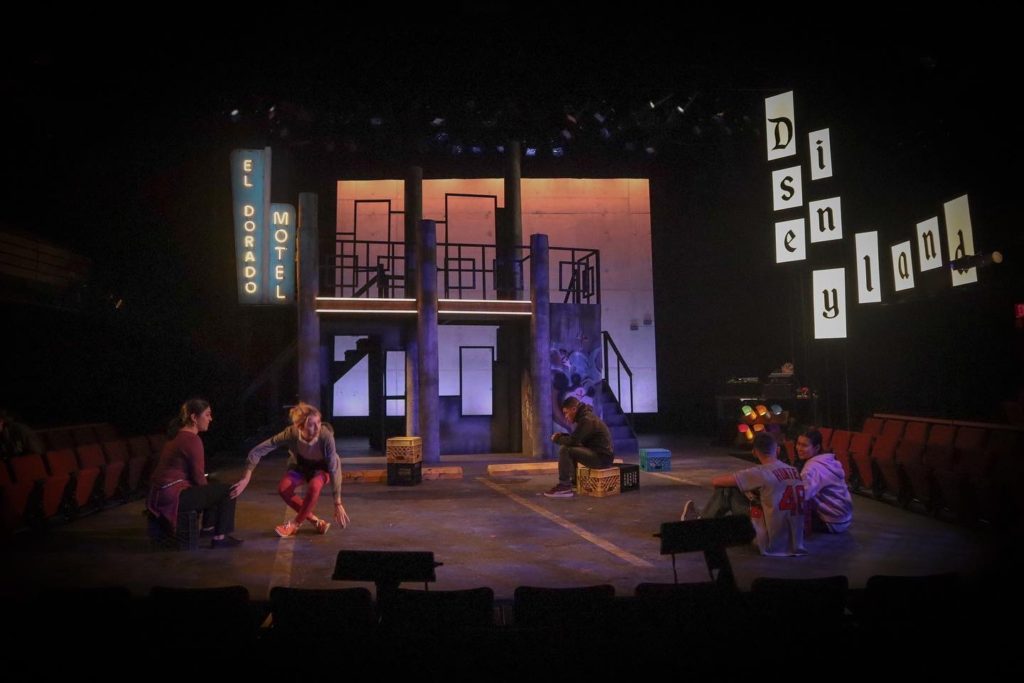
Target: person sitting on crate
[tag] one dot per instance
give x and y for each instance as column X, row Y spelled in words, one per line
column 312, row 459
column 179, row 485
column 771, row 494
column 589, row 444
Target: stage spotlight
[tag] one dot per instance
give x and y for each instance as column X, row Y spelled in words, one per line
column 762, row 410
column 776, row 409
column 976, row 261
column 531, row 151
column 558, row 152
column 759, row 427
column 748, row 412
column 745, row 434
column 437, row 121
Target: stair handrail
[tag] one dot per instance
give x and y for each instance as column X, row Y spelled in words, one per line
column 620, row 364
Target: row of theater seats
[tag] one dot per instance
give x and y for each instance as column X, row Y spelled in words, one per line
column 587, row 625
column 968, row 471
column 83, row 469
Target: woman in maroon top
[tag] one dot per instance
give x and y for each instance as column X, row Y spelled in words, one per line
column 179, row 484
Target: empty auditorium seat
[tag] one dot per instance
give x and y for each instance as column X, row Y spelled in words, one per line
column 83, row 435
column 840, row 446
column 858, row 465
column 909, row 477
column 306, row 616
column 194, row 621
column 826, row 438
column 139, row 463
column 53, row 489
column 873, row 426
column 82, row 493
column 450, row 612
column 893, row 429
column 950, row 470
column 57, row 438
column 795, row 603
column 561, row 609
column 90, row 456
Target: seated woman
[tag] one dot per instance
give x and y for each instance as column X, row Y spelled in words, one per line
column 312, row 459
column 824, row 485
column 179, row 484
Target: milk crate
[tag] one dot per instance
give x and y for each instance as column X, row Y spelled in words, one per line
column 405, row 449
column 405, row 473
column 655, row 460
column 629, row 477
column 597, row 483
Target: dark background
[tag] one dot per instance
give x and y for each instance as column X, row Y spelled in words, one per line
column 118, row 150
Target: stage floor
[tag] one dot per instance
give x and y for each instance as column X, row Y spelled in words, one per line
column 488, row 531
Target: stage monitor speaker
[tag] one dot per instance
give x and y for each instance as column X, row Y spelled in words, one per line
column 385, row 566
column 703, row 534
column 712, row 537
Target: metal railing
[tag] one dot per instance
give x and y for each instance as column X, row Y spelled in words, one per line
column 376, row 269
column 620, row 365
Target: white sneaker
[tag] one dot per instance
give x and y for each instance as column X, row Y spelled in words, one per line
column 687, row 511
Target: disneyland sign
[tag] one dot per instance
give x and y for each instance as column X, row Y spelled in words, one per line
column 805, row 219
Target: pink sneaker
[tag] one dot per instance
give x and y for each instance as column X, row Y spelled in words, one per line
column 287, row 529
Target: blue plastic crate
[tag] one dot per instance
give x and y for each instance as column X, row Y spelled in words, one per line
column 655, row 459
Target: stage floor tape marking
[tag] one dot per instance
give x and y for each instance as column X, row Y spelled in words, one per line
column 281, row 574
column 681, row 480
column 615, row 550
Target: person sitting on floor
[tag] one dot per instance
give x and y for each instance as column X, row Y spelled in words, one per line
column 771, row 494
column 824, row 485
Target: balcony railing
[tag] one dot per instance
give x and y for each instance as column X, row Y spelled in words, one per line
column 376, row 269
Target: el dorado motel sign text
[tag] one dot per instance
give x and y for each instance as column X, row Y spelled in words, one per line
column 264, row 233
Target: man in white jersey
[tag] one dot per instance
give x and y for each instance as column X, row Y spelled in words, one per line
column 771, row 494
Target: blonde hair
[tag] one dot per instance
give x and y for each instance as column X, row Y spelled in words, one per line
column 301, row 412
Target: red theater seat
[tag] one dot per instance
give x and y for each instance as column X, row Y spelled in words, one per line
column 30, row 470
column 909, row 477
column 873, row 426
column 83, row 481
column 91, row 456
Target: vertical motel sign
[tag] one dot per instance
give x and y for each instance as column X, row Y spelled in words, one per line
column 264, row 233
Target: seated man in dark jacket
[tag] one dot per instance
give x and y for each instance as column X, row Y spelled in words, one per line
column 589, row 444
column 16, row 438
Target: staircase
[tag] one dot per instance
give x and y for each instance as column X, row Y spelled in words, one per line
column 623, row 436
column 620, row 424
column 339, row 368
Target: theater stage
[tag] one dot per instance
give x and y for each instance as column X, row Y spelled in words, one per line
column 495, row 531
